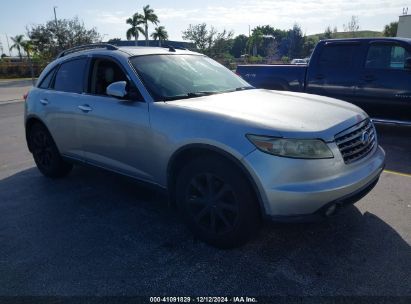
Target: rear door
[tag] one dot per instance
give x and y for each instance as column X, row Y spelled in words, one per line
column 61, row 103
column 115, row 131
column 334, row 70
column 384, row 89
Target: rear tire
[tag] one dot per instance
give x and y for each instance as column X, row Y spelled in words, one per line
column 217, row 202
column 46, row 154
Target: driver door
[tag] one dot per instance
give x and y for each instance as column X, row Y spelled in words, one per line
column 115, row 132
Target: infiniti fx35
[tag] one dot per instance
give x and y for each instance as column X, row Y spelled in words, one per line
column 229, row 155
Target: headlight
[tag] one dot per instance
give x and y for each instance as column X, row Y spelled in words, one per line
column 295, row 148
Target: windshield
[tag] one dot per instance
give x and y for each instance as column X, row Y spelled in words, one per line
column 169, row 77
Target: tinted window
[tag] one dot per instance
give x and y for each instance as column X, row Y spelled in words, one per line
column 185, row 76
column 340, row 56
column 103, row 73
column 70, row 76
column 45, row 84
column 386, row 56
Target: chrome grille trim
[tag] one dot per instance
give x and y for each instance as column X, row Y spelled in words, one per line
column 350, row 141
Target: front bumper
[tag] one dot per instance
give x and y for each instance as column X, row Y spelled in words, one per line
column 291, row 189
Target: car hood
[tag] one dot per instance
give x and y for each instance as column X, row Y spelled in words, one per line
column 285, row 112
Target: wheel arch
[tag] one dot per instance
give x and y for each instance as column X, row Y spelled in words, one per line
column 188, row 152
column 29, row 123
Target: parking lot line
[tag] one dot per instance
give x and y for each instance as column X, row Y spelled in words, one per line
column 398, row 173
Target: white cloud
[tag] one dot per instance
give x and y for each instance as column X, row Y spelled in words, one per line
column 118, row 17
column 312, row 15
column 174, row 13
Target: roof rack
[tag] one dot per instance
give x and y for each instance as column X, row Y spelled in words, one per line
column 88, row 47
column 172, row 48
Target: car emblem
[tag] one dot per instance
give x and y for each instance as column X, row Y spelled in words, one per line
column 365, row 138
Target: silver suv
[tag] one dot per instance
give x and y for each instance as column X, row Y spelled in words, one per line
column 228, row 154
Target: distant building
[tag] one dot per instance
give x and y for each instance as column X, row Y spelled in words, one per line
column 180, row 44
column 404, row 26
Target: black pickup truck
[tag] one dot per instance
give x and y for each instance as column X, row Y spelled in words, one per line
column 372, row 73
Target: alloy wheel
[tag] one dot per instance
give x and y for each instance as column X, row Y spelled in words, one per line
column 212, row 203
column 42, row 149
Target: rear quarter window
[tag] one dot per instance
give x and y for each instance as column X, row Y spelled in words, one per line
column 46, row 81
column 338, row 56
column 70, row 76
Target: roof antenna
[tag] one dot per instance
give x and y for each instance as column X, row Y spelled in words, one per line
column 171, row 49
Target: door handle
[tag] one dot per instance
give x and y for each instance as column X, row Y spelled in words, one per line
column 319, row 76
column 44, row 101
column 85, row 108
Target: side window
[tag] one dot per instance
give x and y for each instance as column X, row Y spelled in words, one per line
column 386, row 56
column 103, row 73
column 337, row 56
column 70, row 76
column 45, row 83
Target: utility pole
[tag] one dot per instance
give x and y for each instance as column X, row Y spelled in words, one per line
column 249, row 41
column 57, row 26
column 55, row 16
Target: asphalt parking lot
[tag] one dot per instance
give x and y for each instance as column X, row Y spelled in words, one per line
column 13, row 90
column 95, row 233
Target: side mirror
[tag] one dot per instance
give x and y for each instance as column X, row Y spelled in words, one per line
column 407, row 63
column 117, row 89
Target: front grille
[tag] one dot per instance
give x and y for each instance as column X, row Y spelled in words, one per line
column 357, row 141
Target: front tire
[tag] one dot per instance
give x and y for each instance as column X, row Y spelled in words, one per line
column 46, row 154
column 217, row 202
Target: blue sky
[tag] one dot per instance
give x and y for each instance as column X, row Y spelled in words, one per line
column 108, row 16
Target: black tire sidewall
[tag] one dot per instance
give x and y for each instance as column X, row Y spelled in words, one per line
column 58, row 167
column 249, row 215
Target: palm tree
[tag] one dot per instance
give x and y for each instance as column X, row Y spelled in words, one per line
column 160, row 33
column 149, row 16
column 135, row 21
column 28, row 47
column 18, row 44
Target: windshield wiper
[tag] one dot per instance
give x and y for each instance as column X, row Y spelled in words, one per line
column 239, row 89
column 244, row 88
column 191, row 95
column 201, row 93
column 204, row 93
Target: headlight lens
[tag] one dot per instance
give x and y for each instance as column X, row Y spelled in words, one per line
column 295, row 148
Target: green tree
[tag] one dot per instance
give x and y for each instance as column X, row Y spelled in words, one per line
column 239, row 46
column 328, row 33
column 148, row 16
column 295, row 36
column 390, row 30
column 18, row 44
column 209, row 41
column 201, row 36
column 28, row 47
column 160, row 33
column 267, row 41
column 255, row 42
column 222, row 44
column 48, row 39
column 135, row 21
column 114, row 40
column 308, row 46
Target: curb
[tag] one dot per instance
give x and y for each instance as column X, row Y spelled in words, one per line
column 10, row 101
